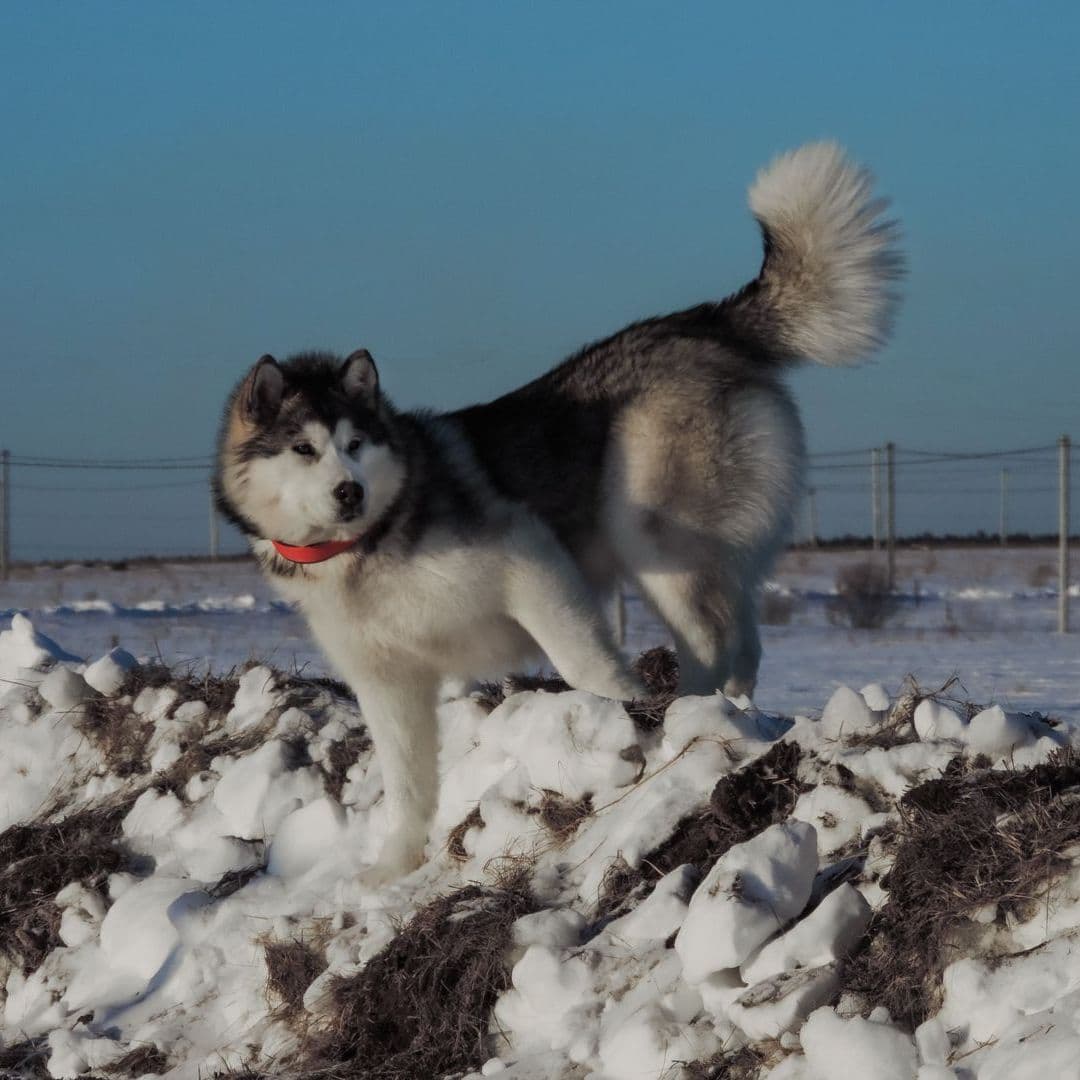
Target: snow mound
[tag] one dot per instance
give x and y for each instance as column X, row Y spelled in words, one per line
column 609, row 893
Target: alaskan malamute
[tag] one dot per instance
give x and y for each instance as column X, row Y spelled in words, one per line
column 670, row 455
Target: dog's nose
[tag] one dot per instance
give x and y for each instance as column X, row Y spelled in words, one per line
column 349, row 493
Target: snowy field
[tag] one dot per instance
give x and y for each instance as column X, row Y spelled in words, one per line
column 842, row 880
column 983, row 614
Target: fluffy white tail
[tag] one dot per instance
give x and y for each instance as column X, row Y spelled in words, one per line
column 826, row 288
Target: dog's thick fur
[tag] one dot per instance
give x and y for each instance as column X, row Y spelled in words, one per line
column 669, row 455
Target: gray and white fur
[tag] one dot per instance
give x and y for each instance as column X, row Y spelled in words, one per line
column 669, row 455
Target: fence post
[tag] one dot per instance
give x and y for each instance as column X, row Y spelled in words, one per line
column 1063, row 534
column 213, row 529
column 5, row 514
column 811, row 516
column 619, row 615
column 890, row 511
column 875, row 497
column 1004, row 516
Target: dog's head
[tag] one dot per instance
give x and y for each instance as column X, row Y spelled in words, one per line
column 307, row 451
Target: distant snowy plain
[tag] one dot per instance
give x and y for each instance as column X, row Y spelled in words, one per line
column 984, row 614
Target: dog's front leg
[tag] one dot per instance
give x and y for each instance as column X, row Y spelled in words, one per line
column 400, row 715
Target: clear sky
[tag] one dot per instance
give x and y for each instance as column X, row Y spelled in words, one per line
column 471, row 190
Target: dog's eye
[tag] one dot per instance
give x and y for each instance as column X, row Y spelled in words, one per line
column 354, row 445
column 304, row 449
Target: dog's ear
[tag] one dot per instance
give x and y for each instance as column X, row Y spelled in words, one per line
column 359, row 379
column 263, row 390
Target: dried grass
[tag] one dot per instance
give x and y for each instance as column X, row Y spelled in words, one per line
column 421, row 1007
column 762, row 794
column 1041, row 575
column 341, row 757
column 122, row 737
column 863, row 599
column 746, row 1063
column 38, row 859
column 562, row 816
column 291, row 967
column 898, row 728
column 776, row 608
column 26, row 1060
column 139, row 1062
column 455, row 842
column 742, row 804
column 659, row 671
column 966, row 840
column 29, row 1060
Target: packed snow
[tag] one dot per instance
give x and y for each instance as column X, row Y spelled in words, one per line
column 264, row 841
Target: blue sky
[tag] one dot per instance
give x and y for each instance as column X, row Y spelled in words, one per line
column 473, row 190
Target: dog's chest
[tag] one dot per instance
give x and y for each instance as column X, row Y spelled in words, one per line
column 442, row 611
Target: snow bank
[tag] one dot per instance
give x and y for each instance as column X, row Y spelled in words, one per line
column 249, row 822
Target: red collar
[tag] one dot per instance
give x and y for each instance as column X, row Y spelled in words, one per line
column 313, row 553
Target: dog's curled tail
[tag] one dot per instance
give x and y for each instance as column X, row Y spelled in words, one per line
column 826, row 290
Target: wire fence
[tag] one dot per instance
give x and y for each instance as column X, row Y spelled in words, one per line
column 56, row 508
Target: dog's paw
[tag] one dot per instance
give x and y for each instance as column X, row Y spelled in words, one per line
column 390, row 867
column 616, row 687
column 624, row 688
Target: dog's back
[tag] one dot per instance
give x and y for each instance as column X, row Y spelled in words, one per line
column 672, row 450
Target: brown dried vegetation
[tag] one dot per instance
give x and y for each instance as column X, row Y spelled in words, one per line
column 420, row 1008
column 743, row 803
column 291, row 967
column 863, row 599
column 38, row 859
column 27, row 1060
column 972, row 838
column 139, row 1062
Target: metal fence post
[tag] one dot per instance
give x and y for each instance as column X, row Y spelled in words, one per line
column 1063, row 534
column 811, row 516
column 5, row 514
column 619, row 615
column 1004, row 516
column 213, row 529
column 890, row 511
column 875, row 497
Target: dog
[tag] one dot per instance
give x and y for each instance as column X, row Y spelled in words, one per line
column 422, row 546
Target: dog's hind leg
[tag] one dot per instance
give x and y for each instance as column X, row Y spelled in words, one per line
column 747, row 657
column 703, row 621
column 550, row 600
column 400, row 715
column 700, row 484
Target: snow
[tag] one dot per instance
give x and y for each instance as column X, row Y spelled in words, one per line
column 748, row 895
column 847, row 715
column 856, row 1047
column 778, row 1004
column 827, row 934
column 996, row 734
column 107, row 673
column 141, row 932
column 545, row 1007
column 570, row 742
column 934, row 720
column 662, row 912
column 256, row 793
column 747, row 950
column 305, row 838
